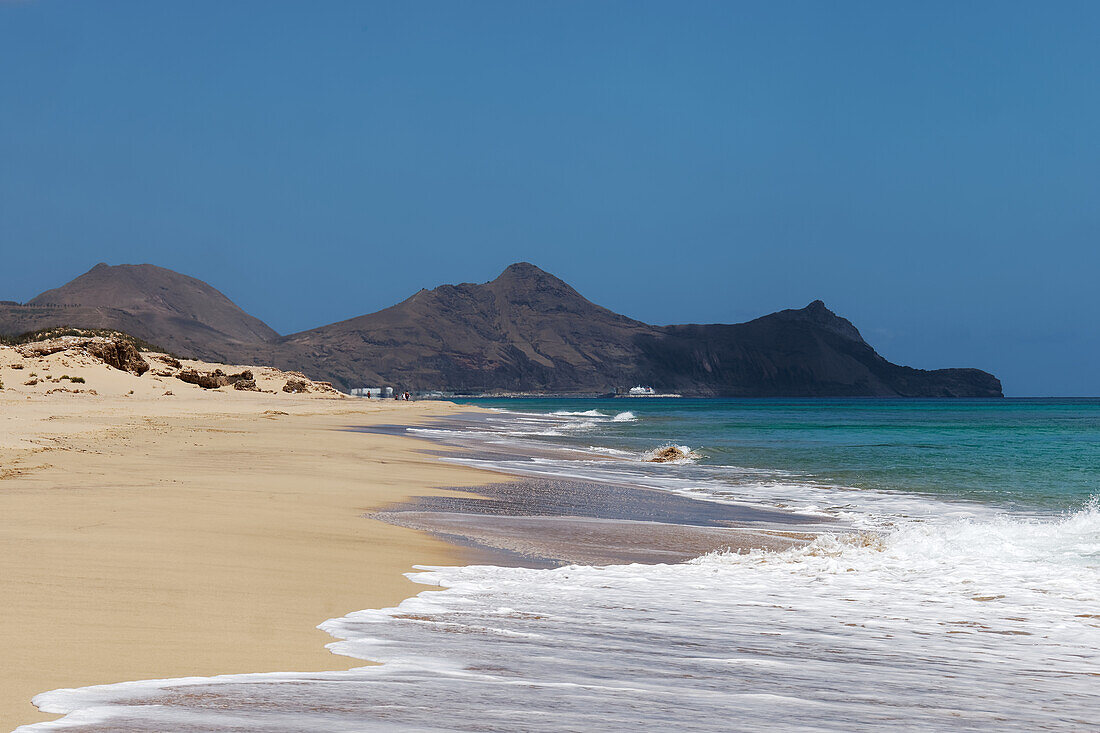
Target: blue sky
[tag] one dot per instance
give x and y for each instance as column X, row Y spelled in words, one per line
column 928, row 169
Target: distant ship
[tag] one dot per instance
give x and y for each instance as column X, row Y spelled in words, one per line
column 640, row 391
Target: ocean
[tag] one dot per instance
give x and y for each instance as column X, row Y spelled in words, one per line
column 954, row 584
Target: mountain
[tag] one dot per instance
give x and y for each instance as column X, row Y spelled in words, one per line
column 180, row 313
column 525, row 331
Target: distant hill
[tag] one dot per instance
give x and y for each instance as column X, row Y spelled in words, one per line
column 525, row 331
column 184, row 314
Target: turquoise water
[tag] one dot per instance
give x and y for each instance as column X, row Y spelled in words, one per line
column 1014, row 453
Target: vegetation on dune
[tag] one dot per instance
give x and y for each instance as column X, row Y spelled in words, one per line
column 60, row 331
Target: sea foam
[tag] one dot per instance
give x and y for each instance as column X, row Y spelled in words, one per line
column 963, row 624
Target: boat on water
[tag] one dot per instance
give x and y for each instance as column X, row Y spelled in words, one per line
column 640, row 391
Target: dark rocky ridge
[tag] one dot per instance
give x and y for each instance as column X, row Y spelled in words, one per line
column 525, row 331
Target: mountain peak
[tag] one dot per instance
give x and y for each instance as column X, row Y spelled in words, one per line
column 526, row 281
column 524, row 271
column 120, row 286
column 151, row 294
column 819, row 314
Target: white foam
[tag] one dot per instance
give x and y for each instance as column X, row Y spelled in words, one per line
column 962, row 624
column 610, row 451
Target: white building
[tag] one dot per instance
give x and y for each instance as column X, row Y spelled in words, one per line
column 372, row 392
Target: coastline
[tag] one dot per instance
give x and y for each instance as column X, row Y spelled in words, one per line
column 810, row 619
column 152, row 537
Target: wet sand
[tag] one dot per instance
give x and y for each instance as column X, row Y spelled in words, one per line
column 561, row 521
column 541, row 541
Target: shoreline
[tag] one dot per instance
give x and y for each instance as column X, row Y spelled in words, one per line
column 156, row 530
column 204, row 534
column 807, row 624
column 284, row 518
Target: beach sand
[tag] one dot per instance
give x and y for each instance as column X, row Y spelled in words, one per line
column 199, row 533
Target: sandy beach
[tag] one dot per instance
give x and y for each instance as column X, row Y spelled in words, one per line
column 147, row 535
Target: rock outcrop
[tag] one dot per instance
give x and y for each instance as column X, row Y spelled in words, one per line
column 114, row 351
column 217, row 378
column 295, row 386
column 120, row 354
column 670, row 454
column 206, row 380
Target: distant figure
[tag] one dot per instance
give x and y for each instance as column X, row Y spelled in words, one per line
column 368, row 395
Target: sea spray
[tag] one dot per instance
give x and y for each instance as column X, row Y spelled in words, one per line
column 671, row 453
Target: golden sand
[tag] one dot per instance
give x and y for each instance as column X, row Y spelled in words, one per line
column 199, row 533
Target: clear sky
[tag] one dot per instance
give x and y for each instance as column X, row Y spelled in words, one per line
column 928, row 169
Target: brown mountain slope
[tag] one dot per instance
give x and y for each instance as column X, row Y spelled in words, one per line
column 529, row 331
column 178, row 312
